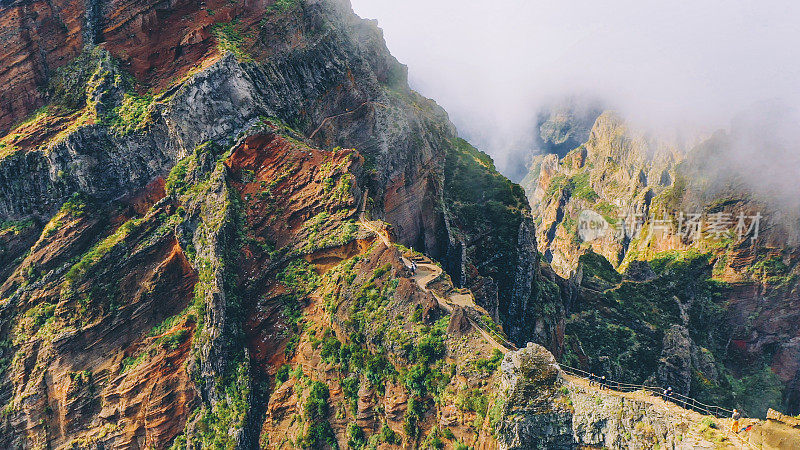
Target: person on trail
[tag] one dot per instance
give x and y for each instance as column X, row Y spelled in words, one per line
column 736, row 416
column 603, row 382
column 667, row 394
column 592, row 379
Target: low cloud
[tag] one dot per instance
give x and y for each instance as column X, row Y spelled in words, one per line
column 664, row 66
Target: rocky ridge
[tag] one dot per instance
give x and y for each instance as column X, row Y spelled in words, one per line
column 175, row 204
column 620, row 174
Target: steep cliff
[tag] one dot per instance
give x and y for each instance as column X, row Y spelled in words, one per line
column 706, row 308
column 193, row 230
column 540, row 407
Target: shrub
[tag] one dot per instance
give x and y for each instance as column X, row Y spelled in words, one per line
column 319, row 431
column 350, row 387
column 414, row 412
column 300, row 277
column 176, row 180
column 489, row 364
column 331, row 347
column 174, row 340
column 430, row 348
column 355, row 436
column 132, row 115
column 230, row 40
column 472, row 400
column 388, row 436
column 708, row 422
column 382, row 270
column 282, row 6
column 282, row 374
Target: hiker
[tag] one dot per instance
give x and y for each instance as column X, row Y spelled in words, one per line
column 667, row 393
column 736, row 416
column 592, row 378
column 603, row 382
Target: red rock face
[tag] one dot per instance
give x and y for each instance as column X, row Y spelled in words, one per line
column 115, row 375
column 37, row 37
column 283, row 185
column 157, row 42
column 161, row 41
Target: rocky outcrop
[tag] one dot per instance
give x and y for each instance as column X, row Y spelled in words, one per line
column 536, row 410
column 778, row 432
column 564, row 126
column 541, row 407
column 606, row 196
column 607, row 420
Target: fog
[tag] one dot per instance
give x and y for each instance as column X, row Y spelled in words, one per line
column 664, row 66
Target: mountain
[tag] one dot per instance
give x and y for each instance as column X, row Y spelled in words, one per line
column 234, row 225
column 186, row 193
column 708, row 308
column 565, row 125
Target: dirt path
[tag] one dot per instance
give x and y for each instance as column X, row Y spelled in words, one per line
column 670, row 409
column 425, row 273
column 349, row 111
column 371, row 227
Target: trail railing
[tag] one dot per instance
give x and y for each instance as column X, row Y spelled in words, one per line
column 678, row 399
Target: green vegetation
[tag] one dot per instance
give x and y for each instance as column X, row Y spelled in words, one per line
column 231, row 40
column 75, row 205
column 773, row 271
column 299, row 277
column 325, row 231
column 318, row 432
column 35, row 320
column 388, row 436
column 350, row 387
column 414, row 413
column 69, row 83
column 485, row 206
column 677, row 260
column 625, row 326
column 216, row 423
column 294, row 318
column 187, row 177
column 355, row 436
column 132, row 115
column 168, row 342
column 595, row 265
column 433, row 440
column 133, row 361
column 474, row 400
column 282, row 375
column 282, row 6
column 229, row 413
column 176, row 180
column 578, row 186
column 90, row 258
column 16, row 227
column 489, row 364
column 581, row 187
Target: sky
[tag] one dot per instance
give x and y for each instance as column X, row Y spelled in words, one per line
column 663, row 65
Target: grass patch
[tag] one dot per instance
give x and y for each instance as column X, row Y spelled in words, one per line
column 132, row 115
column 230, row 40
